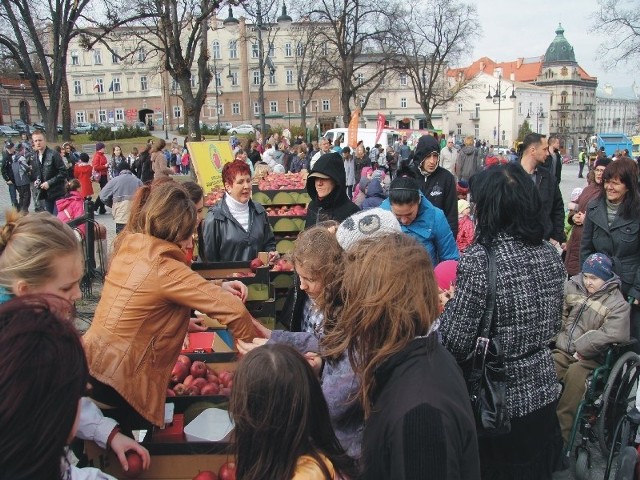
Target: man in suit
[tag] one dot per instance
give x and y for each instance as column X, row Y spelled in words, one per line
column 49, row 171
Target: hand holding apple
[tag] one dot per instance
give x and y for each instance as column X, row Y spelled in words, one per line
column 121, row 445
column 237, row 288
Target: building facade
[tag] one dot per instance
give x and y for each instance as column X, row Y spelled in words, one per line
column 617, row 110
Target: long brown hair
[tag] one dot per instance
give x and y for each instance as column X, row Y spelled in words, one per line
column 43, row 376
column 388, row 300
column 277, row 400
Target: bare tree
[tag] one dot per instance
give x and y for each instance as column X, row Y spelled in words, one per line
column 309, row 60
column 618, row 21
column 356, row 37
column 430, row 36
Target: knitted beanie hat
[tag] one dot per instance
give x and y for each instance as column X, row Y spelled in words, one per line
column 445, row 273
column 602, row 162
column 462, row 187
column 575, row 194
column 599, row 265
column 462, row 206
column 374, row 222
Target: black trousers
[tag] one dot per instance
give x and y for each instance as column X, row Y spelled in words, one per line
column 98, row 203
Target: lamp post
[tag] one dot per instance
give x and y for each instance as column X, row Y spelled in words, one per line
column 218, row 92
column 539, row 114
column 497, row 97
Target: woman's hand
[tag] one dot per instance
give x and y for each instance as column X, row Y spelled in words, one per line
column 578, row 218
column 246, row 347
column 237, row 288
column 262, row 330
column 121, row 444
column 315, row 361
column 197, row 325
column 273, row 256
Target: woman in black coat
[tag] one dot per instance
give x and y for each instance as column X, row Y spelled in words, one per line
column 327, row 187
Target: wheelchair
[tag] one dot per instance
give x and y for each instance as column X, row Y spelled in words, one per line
column 610, row 395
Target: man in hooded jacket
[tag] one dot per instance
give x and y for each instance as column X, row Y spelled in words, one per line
column 326, row 185
column 437, row 184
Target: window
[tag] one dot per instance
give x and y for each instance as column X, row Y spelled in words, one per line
column 102, row 116
column 459, row 108
column 476, row 131
column 477, row 111
column 273, row 106
column 256, row 108
column 77, row 87
column 383, row 103
column 459, row 129
column 115, row 85
column 326, row 106
column 99, row 86
column 272, row 49
column 300, row 50
column 272, row 79
column 254, row 50
column 290, row 106
column 256, row 78
column 324, row 49
column 114, row 56
column 287, row 49
column 144, row 86
column 193, row 80
column 215, row 49
column 403, row 102
column 218, row 80
column 289, row 77
column 234, row 79
column 235, row 108
column 80, row 117
column 360, row 78
column 233, row 49
column 519, row 108
column 403, row 79
column 97, row 56
column 75, row 59
column 119, row 115
column 142, row 55
column 177, row 111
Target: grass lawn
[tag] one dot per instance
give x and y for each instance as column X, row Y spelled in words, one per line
column 126, row 143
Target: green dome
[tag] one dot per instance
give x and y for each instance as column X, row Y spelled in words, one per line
column 560, row 51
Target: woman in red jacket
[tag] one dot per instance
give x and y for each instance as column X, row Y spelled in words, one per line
column 100, row 165
column 82, row 171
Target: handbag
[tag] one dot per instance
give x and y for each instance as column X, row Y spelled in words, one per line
column 95, row 176
column 485, row 371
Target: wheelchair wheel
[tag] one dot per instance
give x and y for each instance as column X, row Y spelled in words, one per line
column 627, row 460
column 583, row 464
column 617, row 399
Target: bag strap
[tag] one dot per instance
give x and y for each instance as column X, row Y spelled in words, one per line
column 487, row 318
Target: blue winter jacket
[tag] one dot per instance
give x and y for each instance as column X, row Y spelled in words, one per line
column 431, row 229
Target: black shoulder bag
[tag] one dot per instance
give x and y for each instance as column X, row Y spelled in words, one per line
column 485, row 371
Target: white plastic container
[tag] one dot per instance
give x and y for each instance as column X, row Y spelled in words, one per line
column 212, row 425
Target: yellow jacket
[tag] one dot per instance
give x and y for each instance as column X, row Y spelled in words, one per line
column 143, row 316
column 308, row 469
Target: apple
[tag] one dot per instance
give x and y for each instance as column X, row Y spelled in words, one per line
column 179, row 372
column 212, row 378
column 184, row 359
column 198, row 369
column 134, row 461
column 179, row 389
column 188, row 380
column 225, row 377
column 210, row 389
column 199, row 382
column 192, row 391
column 205, row 475
column 225, row 391
column 227, row 471
column 255, row 264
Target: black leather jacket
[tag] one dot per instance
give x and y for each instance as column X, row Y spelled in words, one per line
column 226, row 241
column 53, row 171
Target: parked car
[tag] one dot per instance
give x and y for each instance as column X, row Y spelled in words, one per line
column 21, row 126
column 83, row 127
column 242, row 129
column 7, row 131
column 140, row 125
column 266, row 126
column 38, row 126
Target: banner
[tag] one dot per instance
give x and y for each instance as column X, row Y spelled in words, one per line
column 380, row 126
column 207, row 159
column 352, row 132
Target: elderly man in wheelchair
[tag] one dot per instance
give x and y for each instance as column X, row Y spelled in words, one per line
column 595, row 316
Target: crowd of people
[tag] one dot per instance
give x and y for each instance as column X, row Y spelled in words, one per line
column 391, row 279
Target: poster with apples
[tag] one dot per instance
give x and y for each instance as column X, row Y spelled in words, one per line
column 207, row 159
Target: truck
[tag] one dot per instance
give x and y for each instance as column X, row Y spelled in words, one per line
column 367, row 135
column 611, row 142
column 635, row 146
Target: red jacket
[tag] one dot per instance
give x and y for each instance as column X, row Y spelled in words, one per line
column 100, row 163
column 82, row 171
column 465, row 233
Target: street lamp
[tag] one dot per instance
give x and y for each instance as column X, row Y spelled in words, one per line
column 218, row 93
column 498, row 96
column 539, row 114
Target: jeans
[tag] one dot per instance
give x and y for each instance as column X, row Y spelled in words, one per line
column 50, row 206
column 98, row 203
column 12, row 195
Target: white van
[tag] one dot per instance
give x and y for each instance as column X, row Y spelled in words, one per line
column 367, row 135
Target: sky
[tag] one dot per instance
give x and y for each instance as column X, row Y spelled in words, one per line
column 525, row 28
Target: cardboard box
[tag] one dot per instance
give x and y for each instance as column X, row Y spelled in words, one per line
column 210, row 346
column 227, row 270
